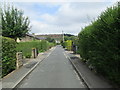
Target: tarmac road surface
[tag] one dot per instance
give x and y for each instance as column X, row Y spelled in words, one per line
column 55, row 71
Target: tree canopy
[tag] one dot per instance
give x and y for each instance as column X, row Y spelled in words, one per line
column 14, row 23
column 50, row 40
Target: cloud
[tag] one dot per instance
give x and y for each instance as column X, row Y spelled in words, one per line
column 71, row 17
column 75, row 12
column 43, row 28
column 48, row 18
column 56, row 17
column 61, row 0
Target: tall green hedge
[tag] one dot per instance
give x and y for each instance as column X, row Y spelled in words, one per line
column 8, row 55
column 26, row 47
column 99, row 44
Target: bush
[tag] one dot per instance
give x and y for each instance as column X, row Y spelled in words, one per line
column 68, row 44
column 28, row 55
column 51, row 45
column 75, row 44
column 26, row 47
column 99, row 44
column 8, row 55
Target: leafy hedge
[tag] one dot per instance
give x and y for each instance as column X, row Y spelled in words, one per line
column 26, row 47
column 0, row 45
column 99, row 44
column 8, row 55
column 68, row 44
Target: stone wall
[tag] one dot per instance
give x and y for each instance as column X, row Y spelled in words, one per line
column 19, row 61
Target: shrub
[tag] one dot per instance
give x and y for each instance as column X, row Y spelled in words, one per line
column 28, row 55
column 44, row 45
column 51, row 45
column 99, row 44
column 75, row 45
column 8, row 55
column 68, row 44
column 26, row 47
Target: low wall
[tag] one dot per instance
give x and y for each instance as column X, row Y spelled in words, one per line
column 19, row 61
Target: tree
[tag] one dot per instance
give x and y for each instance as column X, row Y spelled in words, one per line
column 70, row 38
column 14, row 24
column 50, row 40
column 0, row 21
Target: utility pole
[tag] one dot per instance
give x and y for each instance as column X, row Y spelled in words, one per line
column 63, row 35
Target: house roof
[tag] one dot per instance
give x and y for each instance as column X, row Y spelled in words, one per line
column 39, row 38
column 42, row 38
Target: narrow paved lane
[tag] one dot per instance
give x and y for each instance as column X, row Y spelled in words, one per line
column 54, row 72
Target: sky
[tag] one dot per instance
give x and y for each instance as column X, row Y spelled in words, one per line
column 55, row 16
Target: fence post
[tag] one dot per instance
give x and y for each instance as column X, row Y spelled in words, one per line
column 34, row 52
column 19, row 61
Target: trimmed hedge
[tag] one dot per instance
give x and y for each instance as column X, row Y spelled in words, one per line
column 26, row 47
column 99, row 44
column 68, row 45
column 8, row 55
column 75, row 46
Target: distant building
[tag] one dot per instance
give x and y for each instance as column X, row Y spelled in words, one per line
column 28, row 37
column 42, row 38
column 56, row 37
column 53, row 36
column 31, row 37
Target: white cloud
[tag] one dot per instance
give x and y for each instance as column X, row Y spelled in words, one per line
column 60, row 0
column 48, row 18
column 43, row 28
column 70, row 17
column 28, row 10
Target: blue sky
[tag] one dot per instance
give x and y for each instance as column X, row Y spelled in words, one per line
column 36, row 8
column 40, row 7
column 55, row 17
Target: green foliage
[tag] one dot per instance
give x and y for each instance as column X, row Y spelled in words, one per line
column 99, row 44
column 51, row 45
column 0, row 56
column 26, row 47
column 51, row 40
column 62, row 43
column 8, row 55
column 68, row 45
column 66, row 38
column 0, row 13
column 69, row 39
column 75, row 45
column 14, row 24
column 28, row 55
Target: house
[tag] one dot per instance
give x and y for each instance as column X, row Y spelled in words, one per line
column 28, row 37
column 56, row 37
